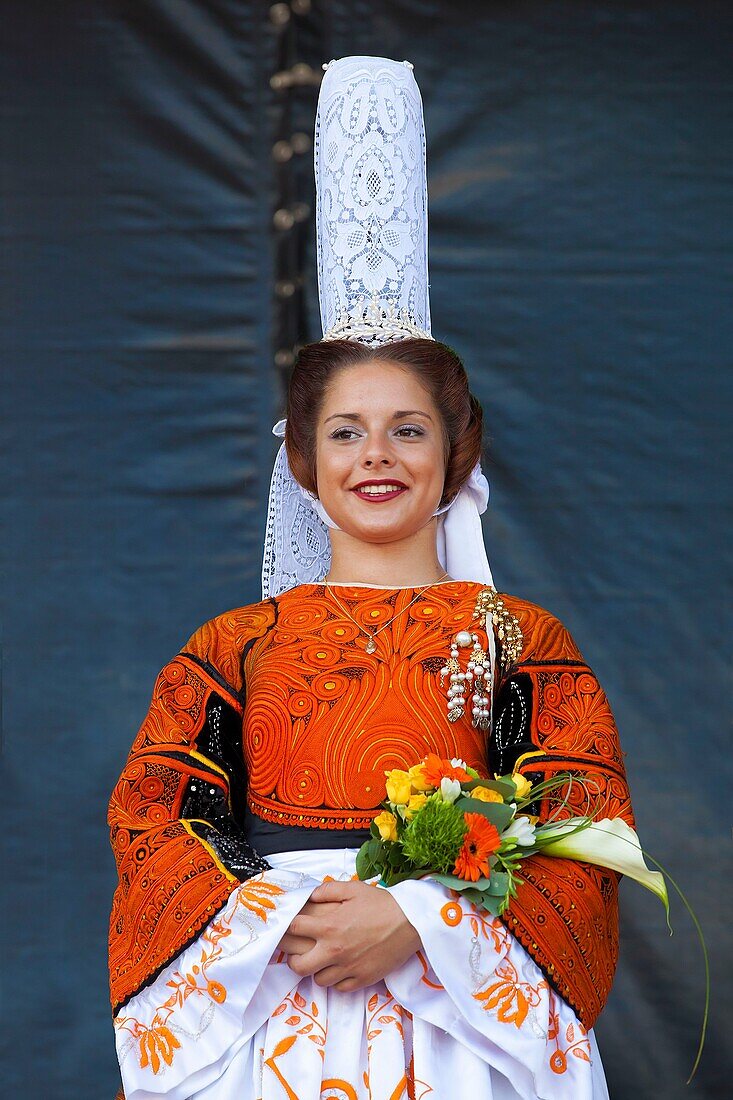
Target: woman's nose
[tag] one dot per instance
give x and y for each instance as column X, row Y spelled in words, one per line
column 377, row 452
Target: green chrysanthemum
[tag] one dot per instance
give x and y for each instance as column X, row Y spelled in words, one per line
column 434, row 836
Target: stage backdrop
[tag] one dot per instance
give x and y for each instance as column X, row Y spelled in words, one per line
column 580, row 173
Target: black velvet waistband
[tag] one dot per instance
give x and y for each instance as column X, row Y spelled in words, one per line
column 267, row 837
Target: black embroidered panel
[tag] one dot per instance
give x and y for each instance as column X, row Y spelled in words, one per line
column 219, row 822
column 220, row 740
column 232, row 849
column 511, row 735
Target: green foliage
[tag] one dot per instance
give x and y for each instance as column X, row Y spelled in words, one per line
column 433, row 838
column 498, row 813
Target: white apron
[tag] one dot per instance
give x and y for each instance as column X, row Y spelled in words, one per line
column 470, row 1015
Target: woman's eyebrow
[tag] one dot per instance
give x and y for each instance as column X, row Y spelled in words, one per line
column 397, row 416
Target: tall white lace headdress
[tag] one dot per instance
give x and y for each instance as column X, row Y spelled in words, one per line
column 372, row 246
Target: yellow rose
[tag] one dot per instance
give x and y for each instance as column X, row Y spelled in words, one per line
column 387, row 825
column 523, row 785
column 417, row 801
column 399, row 787
column 485, row 794
column 418, row 780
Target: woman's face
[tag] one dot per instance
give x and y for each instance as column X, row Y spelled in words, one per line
column 380, row 453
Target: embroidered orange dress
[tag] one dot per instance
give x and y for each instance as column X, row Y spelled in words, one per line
column 272, row 728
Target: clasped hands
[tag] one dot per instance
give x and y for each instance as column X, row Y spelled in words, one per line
column 349, row 935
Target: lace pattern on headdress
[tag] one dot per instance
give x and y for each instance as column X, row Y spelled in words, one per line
column 371, row 202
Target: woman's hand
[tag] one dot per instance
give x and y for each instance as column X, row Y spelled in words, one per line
column 349, row 935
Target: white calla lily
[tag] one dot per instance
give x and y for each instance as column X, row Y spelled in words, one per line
column 607, row 843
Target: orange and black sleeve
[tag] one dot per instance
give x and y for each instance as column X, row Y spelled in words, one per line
column 176, row 813
column 551, row 717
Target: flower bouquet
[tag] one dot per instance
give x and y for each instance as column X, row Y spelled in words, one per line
column 471, row 834
column 442, row 819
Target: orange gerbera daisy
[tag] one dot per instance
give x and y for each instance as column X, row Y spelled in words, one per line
column 479, row 842
column 434, row 769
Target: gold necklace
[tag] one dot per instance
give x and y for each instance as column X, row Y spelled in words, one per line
column 371, row 645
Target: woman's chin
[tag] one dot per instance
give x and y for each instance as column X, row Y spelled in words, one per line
column 379, row 529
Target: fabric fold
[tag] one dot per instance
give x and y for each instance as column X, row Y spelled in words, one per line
column 476, row 981
column 230, row 1019
column 178, row 1035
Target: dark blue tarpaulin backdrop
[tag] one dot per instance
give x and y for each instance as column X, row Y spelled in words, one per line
column 580, row 169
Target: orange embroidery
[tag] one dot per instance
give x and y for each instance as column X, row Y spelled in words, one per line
column 280, row 1049
column 576, row 1040
column 481, row 922
column 324, row 719
column 222, row 640
column 383, row 1011
column 156, row 1040
column 425, row 971
column 305, row 1021
column 452, row 913
column 258, row 896
column 157, row 1043
column 566, row 913
column 306, row 1024
column 509, row 998
column 345, row 1090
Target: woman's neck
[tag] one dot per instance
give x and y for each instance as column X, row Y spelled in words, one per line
column 405, row 564
column 413, row 581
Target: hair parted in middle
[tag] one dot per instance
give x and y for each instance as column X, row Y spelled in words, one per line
column 435, row 365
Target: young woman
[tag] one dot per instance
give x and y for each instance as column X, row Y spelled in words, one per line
column 246, row 959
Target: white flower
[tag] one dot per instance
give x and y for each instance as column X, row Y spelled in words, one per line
column 449, row 789
column 459, row 764
column 608, row 843
column 521, row 830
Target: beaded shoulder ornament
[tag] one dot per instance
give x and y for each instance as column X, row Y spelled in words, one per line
column 479, row 673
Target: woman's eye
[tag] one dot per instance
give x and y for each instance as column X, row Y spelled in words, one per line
column 343, row 433
column 407, row 431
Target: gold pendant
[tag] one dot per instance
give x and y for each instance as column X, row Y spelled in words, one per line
column 371, row 645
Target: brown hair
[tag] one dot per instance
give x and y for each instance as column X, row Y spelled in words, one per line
column 436, row 366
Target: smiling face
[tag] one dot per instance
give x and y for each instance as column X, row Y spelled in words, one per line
column 380, row 452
